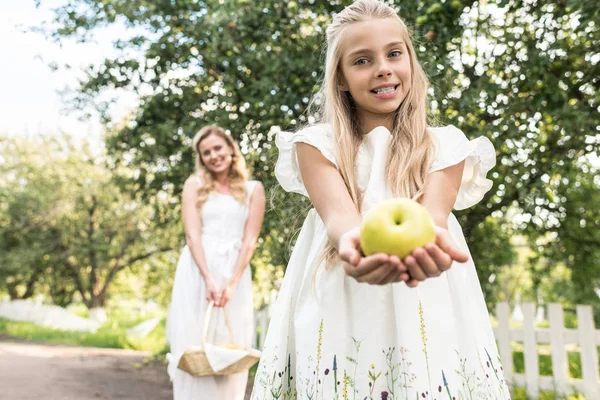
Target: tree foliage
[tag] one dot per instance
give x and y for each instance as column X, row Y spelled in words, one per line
column 523, row 73
column 66, row 227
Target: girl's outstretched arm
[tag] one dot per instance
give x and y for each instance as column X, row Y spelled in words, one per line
column 332, row 201
column 441, row 191
column 439, row 198
column 327, row 192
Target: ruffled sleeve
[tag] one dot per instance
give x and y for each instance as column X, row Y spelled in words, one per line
column 452, row 147
column 286, row 168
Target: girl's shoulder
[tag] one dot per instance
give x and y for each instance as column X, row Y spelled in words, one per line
column 448, row 142
column 445, row 132
column 316, row 130
column 452, row 146
column 319, row 136
column 287, row 172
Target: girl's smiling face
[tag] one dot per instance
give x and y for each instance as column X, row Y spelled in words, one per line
column 375, row 68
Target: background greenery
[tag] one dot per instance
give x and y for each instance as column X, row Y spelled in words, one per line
column 100, row 226
column 89, row 227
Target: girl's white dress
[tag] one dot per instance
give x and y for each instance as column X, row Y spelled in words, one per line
column 334, row 338
column 223, row 223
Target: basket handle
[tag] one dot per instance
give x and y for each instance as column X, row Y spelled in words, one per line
column 209, row 309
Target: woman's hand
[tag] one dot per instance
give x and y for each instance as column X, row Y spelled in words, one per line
column 225, row 294
column 433, row 258
column 212, row 290
column 376, row 269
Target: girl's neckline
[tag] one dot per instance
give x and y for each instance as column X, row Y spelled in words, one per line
column 379, row 128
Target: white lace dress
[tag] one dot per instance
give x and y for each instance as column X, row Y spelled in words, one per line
column 223, row 223
column 334, row 338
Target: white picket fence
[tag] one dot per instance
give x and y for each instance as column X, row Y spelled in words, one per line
column 585, row 339
column 261, row 320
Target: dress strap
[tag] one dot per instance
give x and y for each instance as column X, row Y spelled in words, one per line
column 250, row 186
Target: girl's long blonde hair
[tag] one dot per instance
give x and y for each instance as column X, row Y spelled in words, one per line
column 238, row 172
column 411, row 147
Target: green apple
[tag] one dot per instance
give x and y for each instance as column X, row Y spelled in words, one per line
column 396, row 227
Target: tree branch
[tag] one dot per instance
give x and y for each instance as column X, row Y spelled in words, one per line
column 128, row 242
column 78, row 282
column 91, row 251
column 592, row 242
column 30, row 285
column 114, row 270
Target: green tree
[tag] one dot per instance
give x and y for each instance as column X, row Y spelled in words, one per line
column 30, row 207
column 523, row 73
column 66, row 226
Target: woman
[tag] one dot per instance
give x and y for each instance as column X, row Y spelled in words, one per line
column 222, row 216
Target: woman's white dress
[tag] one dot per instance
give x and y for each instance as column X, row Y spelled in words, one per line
column 334, row 338
column 223, row 223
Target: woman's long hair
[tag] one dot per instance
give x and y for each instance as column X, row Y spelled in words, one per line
column 238, row 172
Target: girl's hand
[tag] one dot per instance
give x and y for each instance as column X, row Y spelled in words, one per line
column 377, row 269
column 225, row 294
column 212, row 290
column 434, row 258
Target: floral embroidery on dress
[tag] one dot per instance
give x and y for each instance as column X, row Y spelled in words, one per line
column 404, row 359
column 396, row 379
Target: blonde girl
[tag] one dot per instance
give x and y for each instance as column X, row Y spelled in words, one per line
column 347, row 326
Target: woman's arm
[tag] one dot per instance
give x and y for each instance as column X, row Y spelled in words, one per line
column 254, row 222
column 332, row 201
column 192, row 224
column 193, row 234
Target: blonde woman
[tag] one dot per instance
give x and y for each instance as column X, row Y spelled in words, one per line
column 348, row 326
column 222, row 216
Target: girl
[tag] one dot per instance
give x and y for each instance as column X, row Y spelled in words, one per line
column 222, row 216
column 347, row 326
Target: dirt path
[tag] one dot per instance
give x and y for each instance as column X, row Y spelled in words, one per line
column 31, row 371
column 34, row 371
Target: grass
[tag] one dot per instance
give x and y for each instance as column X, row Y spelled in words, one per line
column 113, row 335
column 110, row 335
column 520, row 394
column 545, row 364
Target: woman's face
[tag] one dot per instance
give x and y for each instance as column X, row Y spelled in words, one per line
column 215, row 154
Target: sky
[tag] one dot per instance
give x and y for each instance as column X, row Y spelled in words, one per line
column 29, row 100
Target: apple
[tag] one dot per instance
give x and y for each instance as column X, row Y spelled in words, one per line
column 396, row 227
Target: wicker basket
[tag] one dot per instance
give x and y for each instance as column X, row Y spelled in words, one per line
column 195, row 362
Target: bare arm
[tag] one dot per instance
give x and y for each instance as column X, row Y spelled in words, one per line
column 441, row 191
column 327, row 192
column 332, row 201
column 193, row 226
column 439, row 198
column 254, row 222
